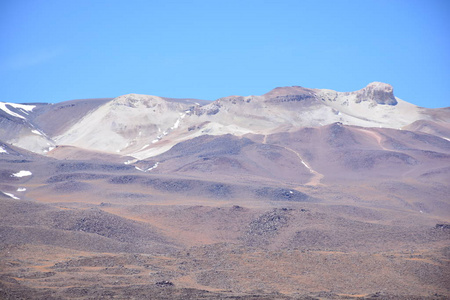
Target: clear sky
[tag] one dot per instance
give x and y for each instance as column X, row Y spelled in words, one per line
column 52, row 51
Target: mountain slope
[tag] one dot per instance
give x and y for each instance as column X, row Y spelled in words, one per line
column 295, row 194
column 145, row 126
column 17, row 128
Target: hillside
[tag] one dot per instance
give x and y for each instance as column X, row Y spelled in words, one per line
column 295, row 194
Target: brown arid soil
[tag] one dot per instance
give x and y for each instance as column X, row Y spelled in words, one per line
column 295, row 194
column 86, row 230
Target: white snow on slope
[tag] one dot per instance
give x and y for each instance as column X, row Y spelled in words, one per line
column 149, row 169
column 11, row 196
column 25, row 108
column 130, row 161
column 21, row 189
column 22, row 174
column 159, row 137
column 2, row 150
column 175, row 126
column 177, row 122
column 48, row 150
column 303, row 162
column 36, row 132
column 154, row 166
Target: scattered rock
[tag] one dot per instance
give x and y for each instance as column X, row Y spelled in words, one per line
column 164, row 283
column 282, row 194
column 443, row 226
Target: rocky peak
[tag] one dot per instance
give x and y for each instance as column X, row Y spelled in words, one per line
column 379, row 92
column 136, row 100
column 287, row 91
column 289, row 94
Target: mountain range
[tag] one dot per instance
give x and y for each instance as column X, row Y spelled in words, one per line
column 295, row 194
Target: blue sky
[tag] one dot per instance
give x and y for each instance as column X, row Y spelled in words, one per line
column 51, row 51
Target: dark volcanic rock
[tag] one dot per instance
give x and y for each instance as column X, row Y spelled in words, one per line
column 164, row 283
column 340, row 136
column 364, row 160
column 443, row 226
column 75, row 176
column 172, row 185
column 281, row 194
column 219, row 190
column 72, row 186
column 103, row 224
column 125, row 179
column 266, row 226
column 86, row 166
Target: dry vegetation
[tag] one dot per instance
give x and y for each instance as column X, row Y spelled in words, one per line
column 247, row 204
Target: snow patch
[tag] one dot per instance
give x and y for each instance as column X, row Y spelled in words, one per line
column 36, row 132
column 21, row 189
column 6, row 110
column 130, row 161
column 310, row 170
column 159, row 137
column 154, row 166
column 2, row 150
column 11, row 196
column 149, row 169
column 49, row 149
column 24, row 108
column 22, row 174
column 177, row 123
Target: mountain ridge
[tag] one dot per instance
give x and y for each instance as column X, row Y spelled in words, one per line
column 144, row 125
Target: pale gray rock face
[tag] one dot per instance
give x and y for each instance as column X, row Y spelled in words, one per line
column 381, row 93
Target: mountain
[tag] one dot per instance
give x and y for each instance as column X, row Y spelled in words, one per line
column 295, row 194
column 144, row 126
